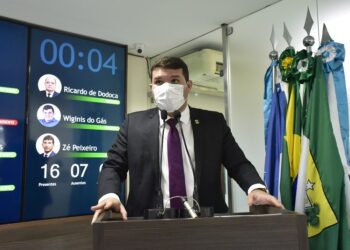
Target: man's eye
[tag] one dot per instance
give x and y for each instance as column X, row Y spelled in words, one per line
column 175, row 81
column 158, row 82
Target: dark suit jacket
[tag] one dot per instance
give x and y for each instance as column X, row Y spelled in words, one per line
column 50, row 155
column 137, row 149
column 43, row 93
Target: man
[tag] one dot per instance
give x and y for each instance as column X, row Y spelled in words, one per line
column 50, row 87
column 49, row 119
column 48, row 144
column 139, row 148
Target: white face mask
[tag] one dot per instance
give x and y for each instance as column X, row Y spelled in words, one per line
column 169, row 97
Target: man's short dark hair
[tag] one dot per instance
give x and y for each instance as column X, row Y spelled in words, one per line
column 48, row 106
column 49, row 138
column 171, row 63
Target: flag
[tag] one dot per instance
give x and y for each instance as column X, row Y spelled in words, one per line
column 304, row 67
column 274, row 140
column 325, row 198
column 333, row 57
column 291, row 142
column 304, row 73
column 268, row 85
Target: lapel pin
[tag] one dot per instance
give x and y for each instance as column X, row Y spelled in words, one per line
column 196, row 121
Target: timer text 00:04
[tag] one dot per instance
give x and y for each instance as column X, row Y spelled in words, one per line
column 66, row 55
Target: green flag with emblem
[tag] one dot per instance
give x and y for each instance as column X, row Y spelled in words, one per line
column 325, row 198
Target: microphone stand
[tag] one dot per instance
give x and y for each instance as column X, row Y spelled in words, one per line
column 163, row 115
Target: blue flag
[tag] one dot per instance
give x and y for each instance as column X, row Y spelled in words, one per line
column 274, row 139
column 268, row 85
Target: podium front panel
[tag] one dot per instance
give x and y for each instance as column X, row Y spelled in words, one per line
column 267, row 231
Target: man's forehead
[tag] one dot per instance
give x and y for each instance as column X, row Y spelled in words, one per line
column 50, row 79
column 161, row 72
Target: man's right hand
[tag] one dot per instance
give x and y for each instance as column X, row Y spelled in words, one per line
column 110, row 203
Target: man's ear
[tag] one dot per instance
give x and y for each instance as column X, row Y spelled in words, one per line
column 189, row 84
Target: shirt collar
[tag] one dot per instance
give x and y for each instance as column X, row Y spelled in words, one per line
column 185, row 117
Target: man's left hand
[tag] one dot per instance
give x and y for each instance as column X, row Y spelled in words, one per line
column 260, row 197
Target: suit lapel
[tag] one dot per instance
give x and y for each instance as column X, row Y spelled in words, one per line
column 153, row 139
column 152, row 133
column 197, row 141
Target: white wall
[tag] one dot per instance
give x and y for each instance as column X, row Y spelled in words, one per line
column 137, row 84
column 249, row 50
column 336, row 15
column 208, row 102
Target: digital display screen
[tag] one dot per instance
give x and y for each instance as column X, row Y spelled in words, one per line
column 13, row 67
column 75, row 105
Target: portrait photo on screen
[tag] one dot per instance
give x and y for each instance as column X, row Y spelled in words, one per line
column 48, row 115
column 47, row 145
column 49, row 85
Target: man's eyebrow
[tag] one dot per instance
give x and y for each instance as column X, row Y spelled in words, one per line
column 161, row 77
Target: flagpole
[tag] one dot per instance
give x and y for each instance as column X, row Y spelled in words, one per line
column 300, row 196
column 227, row 31
column 274, row 57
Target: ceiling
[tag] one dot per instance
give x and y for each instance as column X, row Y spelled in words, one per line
column 159, row 25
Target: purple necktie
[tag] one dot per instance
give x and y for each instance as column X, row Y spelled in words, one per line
column 176, row 170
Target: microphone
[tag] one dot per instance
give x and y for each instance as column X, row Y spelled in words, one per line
column 177, row 116
column 163, row 114
column 189, row 208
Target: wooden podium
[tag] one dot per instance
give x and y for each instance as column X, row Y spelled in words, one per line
column 276, row 229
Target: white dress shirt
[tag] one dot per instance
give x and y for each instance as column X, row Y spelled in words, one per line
column 188, row 136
